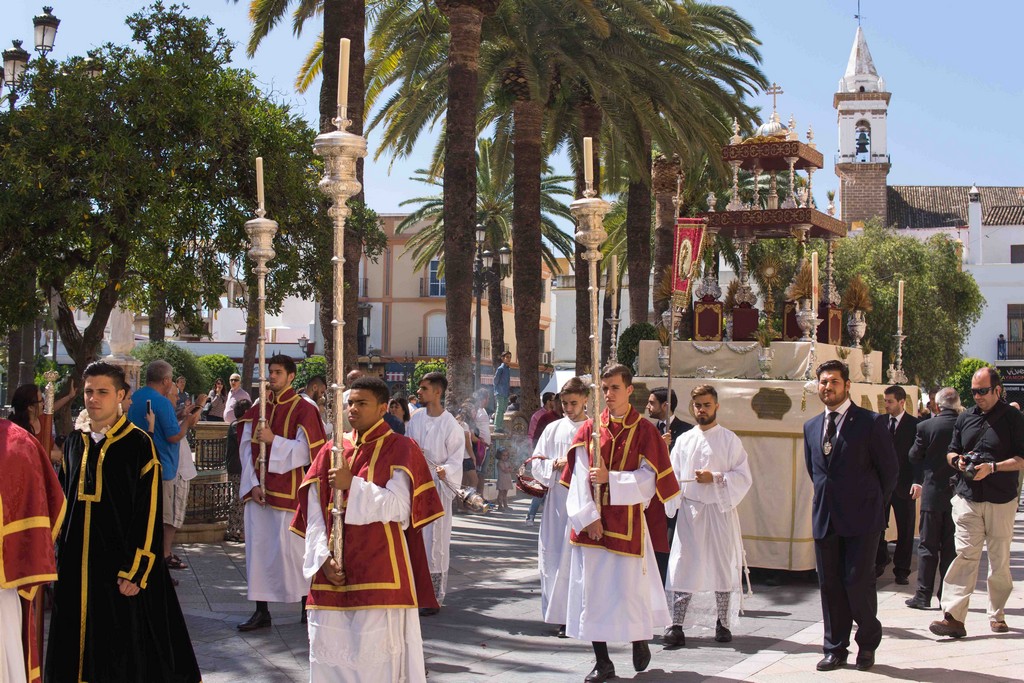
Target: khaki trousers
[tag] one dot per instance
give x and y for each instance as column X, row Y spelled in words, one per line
column 978, row 524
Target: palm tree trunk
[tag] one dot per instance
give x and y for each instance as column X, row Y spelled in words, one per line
column 464, row 22
column 526, row 247
column 496, row 319
column 638, row 243
column 344, row 19
column 590, row 124
column 664, row 175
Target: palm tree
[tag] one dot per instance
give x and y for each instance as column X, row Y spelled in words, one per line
column 341, row 19
column 495, row 211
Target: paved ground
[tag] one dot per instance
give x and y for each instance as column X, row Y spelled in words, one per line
column 490, row 628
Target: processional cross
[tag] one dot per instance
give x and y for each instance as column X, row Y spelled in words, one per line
column 774, row 91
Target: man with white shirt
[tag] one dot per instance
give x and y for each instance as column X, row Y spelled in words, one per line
column 549, row 460
column 441, row 438
column 706, row 564
column 615, row 592
column 903, row 429
column 236, row 395
column 293, row 431
column 850, row 459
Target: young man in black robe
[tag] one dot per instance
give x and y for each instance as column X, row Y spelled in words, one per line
column 112, row 582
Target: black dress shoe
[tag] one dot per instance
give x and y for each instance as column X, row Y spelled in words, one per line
column 830, row 662
column 641, row 655
column 602, row 671
column 902, row 580
column 257, row 620
column 917, row 602
column 429, row 611
column 561, row 631
column 304, row 619
column 674, row 637
column 722, row 634
column 879, row 570
column 865, row 660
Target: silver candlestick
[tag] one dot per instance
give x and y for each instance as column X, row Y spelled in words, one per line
column 589, row 212
column 340, row 150
column 896, row 373
column 261, row 232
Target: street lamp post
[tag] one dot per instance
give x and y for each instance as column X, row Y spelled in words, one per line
column 16, row 57
column 483, row 268
column 303, row 343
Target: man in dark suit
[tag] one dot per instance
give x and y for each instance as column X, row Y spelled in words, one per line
column 903, row 429
column 851, row 461
column 660, row 409
column 931, row 484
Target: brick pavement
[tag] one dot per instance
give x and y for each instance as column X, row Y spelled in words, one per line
column 490, row 629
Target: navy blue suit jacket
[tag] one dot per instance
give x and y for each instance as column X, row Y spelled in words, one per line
column 852, row 485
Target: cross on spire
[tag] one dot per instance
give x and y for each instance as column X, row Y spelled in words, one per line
column 858, row 15
column 774, row 91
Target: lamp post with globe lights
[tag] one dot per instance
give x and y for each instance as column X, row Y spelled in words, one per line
column 483, row 269
column 16, row 57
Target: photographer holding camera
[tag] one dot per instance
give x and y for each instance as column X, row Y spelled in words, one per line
column 988, row 442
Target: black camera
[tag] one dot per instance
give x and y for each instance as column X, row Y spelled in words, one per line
column 972, row 460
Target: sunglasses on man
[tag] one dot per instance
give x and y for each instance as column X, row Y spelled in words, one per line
column 981, row 391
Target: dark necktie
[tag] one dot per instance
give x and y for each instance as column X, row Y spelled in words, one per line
column 892, row 427
column 661, row 426
column 830, row 433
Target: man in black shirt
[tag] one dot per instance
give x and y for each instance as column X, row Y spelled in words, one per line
column 984, row 505
column 931, row 486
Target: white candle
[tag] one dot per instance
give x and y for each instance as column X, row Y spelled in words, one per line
column 899, row 310
column 259, row 181
column 814, row 281
column 346, row 45
column 588, row 160
column 614, row 269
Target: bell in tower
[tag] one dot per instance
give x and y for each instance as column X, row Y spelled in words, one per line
column 862, row 149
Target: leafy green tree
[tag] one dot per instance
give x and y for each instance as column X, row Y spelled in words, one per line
column 184, row 362
column 142, row 197
column 217, row 365
column 312, row 366
column 421, row 368
column 960, row 379
column 941, row 301
column 629, row 341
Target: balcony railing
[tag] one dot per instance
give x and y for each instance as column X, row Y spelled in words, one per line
column 434, row 347
column 506, row 297
column 1014, row 350
column 431, row 289
column 485, row 346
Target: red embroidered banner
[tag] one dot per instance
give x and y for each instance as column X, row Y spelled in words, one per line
column 689, row 240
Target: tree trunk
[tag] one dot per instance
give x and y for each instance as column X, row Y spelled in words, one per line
column 460, row 191
column 157, row 315
column 638, row 244
column 496, row 318
column 13, row 361
column 664, row 177
column 526, row 247
column 84, row 347
column 344, row 19
column 590, row 120
column 252, row 335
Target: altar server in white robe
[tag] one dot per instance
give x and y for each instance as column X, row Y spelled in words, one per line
column 441, row 438
column 549, row 459
column 273, row 554
column 615, row 590
column 705, row 574
column 363, row 626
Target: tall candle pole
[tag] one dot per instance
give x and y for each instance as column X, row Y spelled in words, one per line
column 613, row 320
column 896, row 374
column 589, row 212
column 340, row 150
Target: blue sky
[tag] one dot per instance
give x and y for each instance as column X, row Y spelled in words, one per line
column 953, row 69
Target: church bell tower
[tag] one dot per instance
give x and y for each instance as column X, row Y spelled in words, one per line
column 862, row 164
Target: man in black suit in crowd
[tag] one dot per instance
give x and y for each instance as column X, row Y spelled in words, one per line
column 931, row 484
column 663, row 411
column 851, row 461
column 903, row 429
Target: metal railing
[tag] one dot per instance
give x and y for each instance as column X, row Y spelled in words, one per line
column 431, row 289
column 434, row 347
column 1014, row 350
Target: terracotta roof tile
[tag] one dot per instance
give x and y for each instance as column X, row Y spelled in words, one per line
column 936, row 206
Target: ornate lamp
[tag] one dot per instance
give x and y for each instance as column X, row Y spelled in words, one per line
column 46, row 30
column 93, row 65
column 15, row 62
column 303, row 343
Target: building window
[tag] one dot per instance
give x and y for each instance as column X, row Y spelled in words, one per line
column 1017, row 253
column 1015, row 331
column 437, row 287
